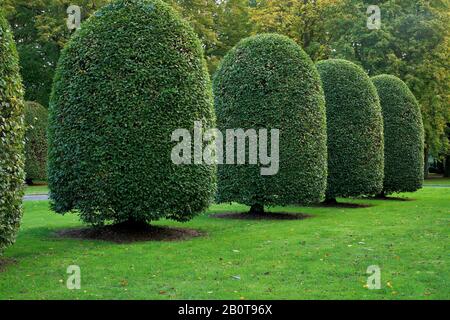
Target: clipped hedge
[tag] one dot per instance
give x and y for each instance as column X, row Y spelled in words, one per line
column 403, row 135
column 11, row 137
column 36, row 119
column 268, row 81
column 126, row 80
column 355, row 130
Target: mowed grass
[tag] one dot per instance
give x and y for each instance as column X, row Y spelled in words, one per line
column 437, row 181
column 37, row 189
column 322, row 257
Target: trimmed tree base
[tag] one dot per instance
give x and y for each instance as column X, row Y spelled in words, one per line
column 381, row 195
column 330, row 201
column 128, row 232
column 256, row 209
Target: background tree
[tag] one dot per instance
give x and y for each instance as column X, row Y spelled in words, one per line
column 41, row 32
column 201, row 15
column 111, row 122
column 403, row 136
column 36, row 118
column 354, row 131
column 232, row 23
column 303, row 21
column 11, row 137
column 268, row 81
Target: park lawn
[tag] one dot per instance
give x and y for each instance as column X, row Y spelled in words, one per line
column 322, row 257
column 37, row 189
column 437, row 181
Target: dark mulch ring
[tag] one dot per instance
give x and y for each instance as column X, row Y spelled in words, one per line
column 5, row 262
column 261, row 216
column 122, row 233
column 343, row 205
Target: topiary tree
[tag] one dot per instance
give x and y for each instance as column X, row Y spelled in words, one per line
column 36, row 118
column 126, row 80
column 403, row 136
column 355, row 130
column 11, row 137
column 268, row 81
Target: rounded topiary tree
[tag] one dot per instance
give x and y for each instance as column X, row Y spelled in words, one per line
column 126, row 80
column 355, row 130
column 36, row 118
column 269, row 82
column 403, row 135
column 11, row 137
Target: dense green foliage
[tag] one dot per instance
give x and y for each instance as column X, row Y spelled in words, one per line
column 40, row 32
column 11, row 137
column 412, row 43
column 403, row 135
column 36, row 119
column 133, row 74
column 268, row 81
column 354, row 128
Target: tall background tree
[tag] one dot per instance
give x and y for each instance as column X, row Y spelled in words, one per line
column 301, row 20
column 41, row 32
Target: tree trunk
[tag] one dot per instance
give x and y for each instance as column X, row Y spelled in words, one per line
column 133, row 224
column 256, row 209
column 426, row 164
column 331, row 201
column 447, row 166
column 381, row 195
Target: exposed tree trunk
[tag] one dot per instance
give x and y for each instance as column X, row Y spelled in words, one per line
column 426, row 164
column 133, row 224
column 330, row 201
column 447, row 166
column 256, row 209
column 381, row 195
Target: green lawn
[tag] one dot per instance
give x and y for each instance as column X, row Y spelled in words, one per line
column 38, row 189
column 437, row 181
column 322, row 257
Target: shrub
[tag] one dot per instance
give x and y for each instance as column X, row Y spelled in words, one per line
column 403, row 135
column 11, row 137
column 126, row 80
column 355, row 130
column 36, row 117
column 268, row 81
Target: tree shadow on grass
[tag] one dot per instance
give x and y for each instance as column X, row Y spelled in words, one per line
column 261, row 216
column 342, row 205
column 123, row 233
column 389, row 198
